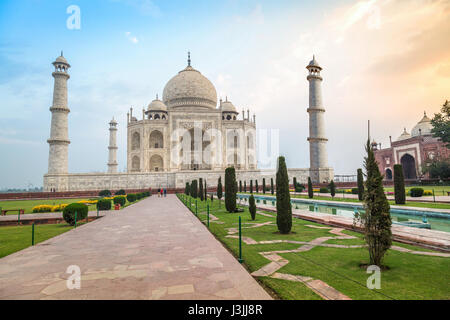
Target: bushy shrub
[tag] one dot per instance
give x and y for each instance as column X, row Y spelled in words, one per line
column 416, row 192
column 104, row 204
column 324, row 190
column 252, row 207
column 120, row 200
column 219, row 189
column 42, row 208
column 355, row 190
column 80, row 209
column 131, row 197
column 104, row 193
column 332, row 187
column 194, row 189
column 121, row 192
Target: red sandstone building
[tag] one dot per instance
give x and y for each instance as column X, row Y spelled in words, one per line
column 412, row 151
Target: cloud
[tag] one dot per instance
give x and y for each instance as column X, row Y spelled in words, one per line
column 132, row 38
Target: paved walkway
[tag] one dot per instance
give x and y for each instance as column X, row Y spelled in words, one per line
column 155, row 249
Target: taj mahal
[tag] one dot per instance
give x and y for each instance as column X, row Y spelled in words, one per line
column 186, row 135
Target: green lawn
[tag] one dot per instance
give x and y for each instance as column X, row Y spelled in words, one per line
column 29, row 204
column 339, row 198
column 13, row 239
column 410, row 276
column 438, row 190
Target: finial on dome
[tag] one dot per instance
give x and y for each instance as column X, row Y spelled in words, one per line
column 156, row 96
column 62, row 53
column 189, row 58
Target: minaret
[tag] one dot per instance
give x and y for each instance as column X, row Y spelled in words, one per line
column 112, row 163
column 317, row 140
column 59, row 136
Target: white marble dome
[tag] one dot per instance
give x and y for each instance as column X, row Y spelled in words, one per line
column 405, row 135
column 157, row 105
column 227, row 106
column 190, row 88
column 423, row 127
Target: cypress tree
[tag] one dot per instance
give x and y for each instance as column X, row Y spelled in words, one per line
column 230, row 189
column 219, row 189
column 206, row 192
column 360, row 185
column 295, row 184
column 376, row 221
column 252, row 207
column 264, row 185
column 256, row 186
column 284, row 208
column 200, row 190
column 245, row 186
column 194, row 189
column 212, row 198
column 186, row 190
column 251, row 186
column 271, row 186
column 332, row 187
column 399, row 185
column 310, row 188
column 240, row 186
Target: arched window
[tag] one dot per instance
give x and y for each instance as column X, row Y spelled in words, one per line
column 409, row 166
column 156, row 163
column 250, row 144
column 135, row 141
column 228, row 117
column 157, row 117
column 135, row 164
column 388, row 175
column 163, row 117
column 156, row 140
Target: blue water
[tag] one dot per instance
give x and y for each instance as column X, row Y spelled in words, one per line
column 437, row 220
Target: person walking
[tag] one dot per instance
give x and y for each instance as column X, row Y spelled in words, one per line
column 165, row 192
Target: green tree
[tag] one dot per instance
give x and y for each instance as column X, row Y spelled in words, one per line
column 284, row 208
column 245, row 186
column 437, row 168
column 206, row 191
column 264, row 186
column 376, row 220
column 230, row 189
column 332, row 187
column 271, row 186
column 251, row 186
column 295, row 183
column 194, row 189
column 310, row 188
column 256, row 186
column 399, row 185
column 240, row 186
column 219, row 189
column 252, row 207
column 360, row 184
column 441, row 124
column 200, row 189
column 187, row 190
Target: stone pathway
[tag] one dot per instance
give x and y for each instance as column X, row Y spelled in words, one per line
column 155, row 249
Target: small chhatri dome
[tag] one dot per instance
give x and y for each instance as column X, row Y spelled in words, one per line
column 423, row 127
column 405, row 135
column 227, row 106
column 61, row 60
column 314, row 64
column 189, row 88
column 113, row 122
column 157, row 105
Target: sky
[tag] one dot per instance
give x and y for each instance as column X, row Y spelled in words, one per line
column 383, row 60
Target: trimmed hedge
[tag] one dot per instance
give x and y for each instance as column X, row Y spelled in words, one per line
column 80, row 209
column 131, row 197
column 324, row 190
column 120, row 200
column 104, row 204
column 121, row 192
column 104, row 193
column 416, row 192
column 284, row 208
column 230, row 189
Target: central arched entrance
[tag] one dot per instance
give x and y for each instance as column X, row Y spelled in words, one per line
column 156, row 163
column 409, row 166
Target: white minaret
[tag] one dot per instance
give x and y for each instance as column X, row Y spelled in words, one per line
column 112, row 163
column 317, row 139
column 59, row 136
